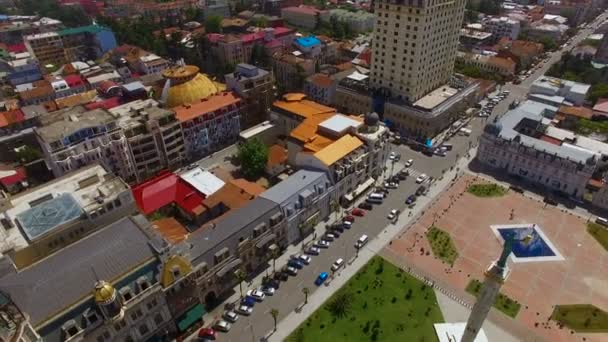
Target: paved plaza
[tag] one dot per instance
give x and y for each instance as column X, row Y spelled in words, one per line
column 578, row 279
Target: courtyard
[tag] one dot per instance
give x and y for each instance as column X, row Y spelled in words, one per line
column 571, row 271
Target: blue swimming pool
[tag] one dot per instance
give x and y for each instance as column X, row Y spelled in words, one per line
column 536, row 247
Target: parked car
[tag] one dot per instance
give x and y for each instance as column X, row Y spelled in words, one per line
column 321, row 278
column 409, row 162
column 291, row 270
column 304, row 258
column 248, row 301
column 329, row 237
column 222, row 325
column 269, row 282
column 268, row 290
column 391, row 185
column 313, row 250
column 295, row 264
column 322, row 244
column 244, row 310
column 230, row 316
column 348, row 218
column 339, row 227
column 337, row 264
column 421, row 190
column 362, row 241
column 256, row 294
column 392, row 156
column 336, row 233
column 347, row 224
column 207, row 333
column 421, row 178
column 365, row 205
column 401, row 176
column 392, row 215
column 358, row 212
column 410, row 199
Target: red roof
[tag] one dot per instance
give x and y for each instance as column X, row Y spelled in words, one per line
column 106, row 85
column 73, row 80
column 164, row 189
column 17, row 48
column 11, row 117
column 105, row 104
column 15, row 178
column 214, row 37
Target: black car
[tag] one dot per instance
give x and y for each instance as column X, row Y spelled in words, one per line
column 365, row 206
column 411, row 199
column 339, row 226
column 428, row 152
column 381, row 189
column 271, row 283
column 402, row 176
column 282, row 276
column 394, row 179
column 420, row 191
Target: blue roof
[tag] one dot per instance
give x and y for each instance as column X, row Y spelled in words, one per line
column 308, row 41
column 49, row 214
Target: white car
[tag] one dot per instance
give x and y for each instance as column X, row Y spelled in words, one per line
column 313, row 251
column 222, row 325
column 421, row 178
column 337, row 264
column 268, row 290
column 322, row 244
column 393, row 214
column 230, row 316
column 391, row 185
column 347, row 224
column 409, row 162
column 392, row 156
column 306, row 259
column 257, row 294
column 291, row 270
column 244, row 310
column 329, row 237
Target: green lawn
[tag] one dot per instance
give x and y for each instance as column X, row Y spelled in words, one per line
column 599, row 232
column 586, row 127
column 503, row 303
column 383, row 303
column 581, row 317
column 487, row 190
column 442, row 245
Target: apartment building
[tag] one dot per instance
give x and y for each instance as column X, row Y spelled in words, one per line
column 415, row 46
column 555, row 91
column 353, row 94
column 255, row 86
column 502, row 27
column 88, row 296
column 492, row 64
column 359, row 21
column 210, row 124
column 47, row 47
column 45, row 219
column 308, row 17
column 24, row 70
column 290, row 70
column 523, row 144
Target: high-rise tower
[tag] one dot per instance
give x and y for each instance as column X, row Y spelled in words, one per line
column 415, row 43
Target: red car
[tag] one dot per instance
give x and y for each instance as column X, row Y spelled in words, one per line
column 358, row 212
column 207, row 333
column 349, row 218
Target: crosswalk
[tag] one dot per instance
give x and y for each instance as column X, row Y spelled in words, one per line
column 412, row 172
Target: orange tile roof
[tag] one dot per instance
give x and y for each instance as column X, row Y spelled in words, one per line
column 77, row 99
column 506, row 63
column 42, row 89
column 171, row 229
column 297, row 103
column 213, row 103
column 306, row 132
column 231, row 195
column 277, row 155
column 581, row 112
column 338, row 149
column 253, row 189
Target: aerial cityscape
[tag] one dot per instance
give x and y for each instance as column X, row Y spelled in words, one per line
column 304, row 170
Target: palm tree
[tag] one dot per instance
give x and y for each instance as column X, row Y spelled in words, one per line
column 341, row 305
column 306, row 291
column 274, row 313
column 240, row 276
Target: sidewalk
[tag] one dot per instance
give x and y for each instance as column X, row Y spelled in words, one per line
column 317, row 298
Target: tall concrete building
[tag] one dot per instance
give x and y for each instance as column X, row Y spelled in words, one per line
column 415, row 45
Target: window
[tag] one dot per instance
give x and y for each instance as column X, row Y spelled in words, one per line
column 158, row 319
column 151, row 304
column 143, row 329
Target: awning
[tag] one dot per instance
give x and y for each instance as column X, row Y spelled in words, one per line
column 349, row 197
column 231, row 265
column 265, row 240
column 363, row 186
column 190, row 317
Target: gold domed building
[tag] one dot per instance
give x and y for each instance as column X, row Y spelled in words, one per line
column 108, row 300
column 185, row 85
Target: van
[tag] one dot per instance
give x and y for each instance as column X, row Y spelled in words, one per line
column 376, row 195
column 602, row 221
column 448, row 147
column 362, row 241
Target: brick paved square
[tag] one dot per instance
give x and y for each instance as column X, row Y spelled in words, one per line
column 580, row 278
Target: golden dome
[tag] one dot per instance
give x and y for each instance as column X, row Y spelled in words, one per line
column 104, row 292
column 189, row 86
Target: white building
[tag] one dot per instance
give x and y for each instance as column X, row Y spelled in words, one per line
column 359, row 21
column 555, row 91
column 502, row 27
column 415, row 46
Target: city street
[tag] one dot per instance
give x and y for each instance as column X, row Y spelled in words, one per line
column 290, row 296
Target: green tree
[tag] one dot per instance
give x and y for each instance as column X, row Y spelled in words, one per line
column 253, row 156
column 570, row 14
column 340, row 306
column 306, row 292
column 28, row 154
column 275, row 314
column 598, row 91
column 548, row 43
column 213, row 24
column 240, row 276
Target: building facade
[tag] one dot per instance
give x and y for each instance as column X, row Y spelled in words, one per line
column 415, row 46
column 255, row 86
column 502, row 27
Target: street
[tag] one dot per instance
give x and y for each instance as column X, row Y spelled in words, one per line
column 290, row 296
